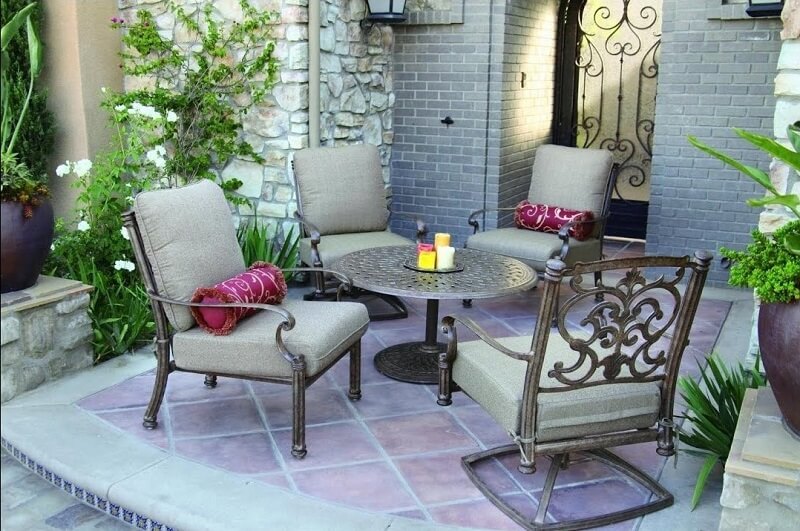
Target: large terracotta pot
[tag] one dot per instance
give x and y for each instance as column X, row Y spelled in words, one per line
column 779, row 342
column 25, row 244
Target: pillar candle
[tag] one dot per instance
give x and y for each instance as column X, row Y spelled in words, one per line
column 426, row 260
column 442, row 239
column 445, row 257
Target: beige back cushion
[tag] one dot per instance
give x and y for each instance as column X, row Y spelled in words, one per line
column 190, row 241
column 570, row 177
column 341, row 189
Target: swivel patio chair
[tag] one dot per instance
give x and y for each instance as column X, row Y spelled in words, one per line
column 605, row 377
column 180, row 247
column 342, row 206
column 566, row 177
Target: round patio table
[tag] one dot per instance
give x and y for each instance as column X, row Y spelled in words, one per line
column 388, row 270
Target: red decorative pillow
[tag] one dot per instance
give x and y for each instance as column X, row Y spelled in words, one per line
column 262, row 283
column 545, row 218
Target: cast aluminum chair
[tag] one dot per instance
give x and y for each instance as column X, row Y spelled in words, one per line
column 184, row 238
column 567, row 177
column 604, row 377
column 342, row 206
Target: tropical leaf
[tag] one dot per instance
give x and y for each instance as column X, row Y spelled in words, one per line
column 12, row 27
column 702, row 478
column 756, row 174
column 771, row 147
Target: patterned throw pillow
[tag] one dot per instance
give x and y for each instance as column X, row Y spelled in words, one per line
column 262, row 283
column 545, row 218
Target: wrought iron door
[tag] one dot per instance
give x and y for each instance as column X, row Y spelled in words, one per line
column 606, row 94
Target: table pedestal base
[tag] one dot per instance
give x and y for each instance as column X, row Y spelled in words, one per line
column 416, row 362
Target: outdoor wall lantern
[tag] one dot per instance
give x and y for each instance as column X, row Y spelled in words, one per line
column 386, row 11
column 764, row 8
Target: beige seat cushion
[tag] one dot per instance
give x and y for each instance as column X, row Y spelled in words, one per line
column 570, row 177
column 323, row 330
column 190, row 241
column 334, row 246
column 533, row 248
column 341, row 189
column 496, row 382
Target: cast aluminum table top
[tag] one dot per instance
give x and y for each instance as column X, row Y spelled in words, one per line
column 382, row 270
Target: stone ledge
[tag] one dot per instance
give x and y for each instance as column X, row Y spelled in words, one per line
column 46, row 290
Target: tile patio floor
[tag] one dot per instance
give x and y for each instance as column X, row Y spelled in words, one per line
column 395, row 451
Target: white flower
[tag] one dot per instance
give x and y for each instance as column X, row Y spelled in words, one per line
column 124, row 232
column 83, row 226
column 119, row 108
column 52, row 247
column 171, row 116
column 63, row 169
column 103, row 90
column 119, row 265
column 82, row 167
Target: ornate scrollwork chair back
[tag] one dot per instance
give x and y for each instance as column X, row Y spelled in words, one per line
column 180, row 247
column 603, row 376
column 342, row 207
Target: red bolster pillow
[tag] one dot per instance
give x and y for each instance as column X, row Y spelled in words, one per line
column 261, row 283
column 546, row 218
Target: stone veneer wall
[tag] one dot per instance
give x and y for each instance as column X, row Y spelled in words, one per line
column 356, row 93
column 717, row 71
column 45, row 333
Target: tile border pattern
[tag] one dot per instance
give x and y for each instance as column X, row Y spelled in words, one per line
column 89, row 498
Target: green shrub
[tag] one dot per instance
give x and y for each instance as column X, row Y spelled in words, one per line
column 259, row 246
column 37, row 132
column 713, row 410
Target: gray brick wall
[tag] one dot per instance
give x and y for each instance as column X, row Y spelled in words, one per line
column 527, row 108
column 717, row 72
column 471, row 72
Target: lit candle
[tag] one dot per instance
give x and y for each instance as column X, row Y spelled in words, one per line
column 442, row 239
column 426, row 260
column 445, row 257
column 424, row 247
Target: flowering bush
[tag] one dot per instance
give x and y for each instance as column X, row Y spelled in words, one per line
column 185, row 127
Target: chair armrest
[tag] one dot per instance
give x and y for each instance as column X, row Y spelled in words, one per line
column 422, row 227
column 448, row 327
column 288, row 318
column 313, row 231
column 563, row 232
column 474, row 222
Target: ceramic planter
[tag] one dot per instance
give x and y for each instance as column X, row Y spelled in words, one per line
column 779, row 342
column 25, row 244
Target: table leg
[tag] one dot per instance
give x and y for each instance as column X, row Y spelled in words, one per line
column 415, row 362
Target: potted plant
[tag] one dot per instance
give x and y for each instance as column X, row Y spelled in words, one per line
column 771, row 266
column 26, row 215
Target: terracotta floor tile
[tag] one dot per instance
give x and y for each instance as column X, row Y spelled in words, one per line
column 130, row 393
column 419, row 433
column 278, row 479
column 130, row 420
column 332, row 444
column 586, row 500
column 482, row 425
column 481, row 514
column 249, row 453
column 189, row 387
column 218, row 417
column 394, row 398
column 323, row 404
column 440, row 478
column 373, row 486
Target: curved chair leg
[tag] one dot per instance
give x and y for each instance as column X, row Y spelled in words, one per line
column 659, row 499
column 355, row 372
column 445, row 397
column 210, row 381
column 299, row 412
column 150, row 420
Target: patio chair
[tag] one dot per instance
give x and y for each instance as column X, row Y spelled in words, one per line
column 572, row 392
column 342, row 206
column 567, row 177
column 180, row 247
